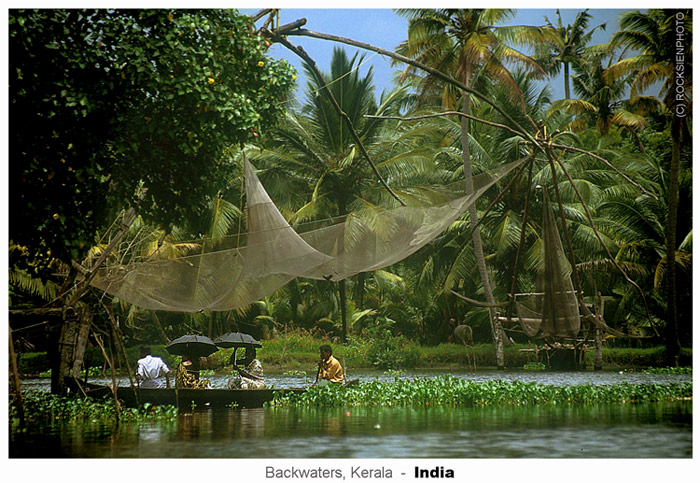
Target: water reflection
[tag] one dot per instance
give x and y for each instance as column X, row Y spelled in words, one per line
column 232, row 424
column 619, row 431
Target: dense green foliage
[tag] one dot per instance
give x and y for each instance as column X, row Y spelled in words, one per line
column 451, row 391
column 105, row 101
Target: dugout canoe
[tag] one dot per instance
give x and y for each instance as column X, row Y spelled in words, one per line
column 181, row 398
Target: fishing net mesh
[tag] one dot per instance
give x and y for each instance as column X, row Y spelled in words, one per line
column 230, row 272
column 553, row 310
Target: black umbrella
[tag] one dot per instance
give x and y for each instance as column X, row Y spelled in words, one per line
column 236, row 339
column 192, row 345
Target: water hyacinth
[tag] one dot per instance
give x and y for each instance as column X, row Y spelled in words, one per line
column 668, row 370
column 452, row 391
column 43, row 407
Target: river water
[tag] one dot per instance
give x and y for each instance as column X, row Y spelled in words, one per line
column 659, row 430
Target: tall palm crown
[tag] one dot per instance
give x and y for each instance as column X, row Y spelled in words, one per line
column 565, row 45
column 355, row 95
column 314, row 150
column 653, row 35
column 604, row 94
column 466, row 42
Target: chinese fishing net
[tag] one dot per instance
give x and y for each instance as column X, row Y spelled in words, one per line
column 553, row 310
column 231, row 272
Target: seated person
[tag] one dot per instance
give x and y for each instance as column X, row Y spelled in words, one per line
column 150, row 369
column 249, row 377
column 187, row 376
column 329, row 369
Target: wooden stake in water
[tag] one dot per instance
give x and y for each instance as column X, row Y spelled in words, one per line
column 15, row 377
column 345, row 372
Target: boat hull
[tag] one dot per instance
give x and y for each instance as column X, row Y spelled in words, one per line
column 185, row 398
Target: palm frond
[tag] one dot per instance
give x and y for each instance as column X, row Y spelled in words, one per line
column 22, row 281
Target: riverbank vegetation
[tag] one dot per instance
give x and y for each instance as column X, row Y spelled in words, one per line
column 127, row 134
column 298, row 351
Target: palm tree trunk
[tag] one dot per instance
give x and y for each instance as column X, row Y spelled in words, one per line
column 672, row 342
column 343, row 310
column 567, row 89
column 342, row 208
column 474, row 219
column 360, row 290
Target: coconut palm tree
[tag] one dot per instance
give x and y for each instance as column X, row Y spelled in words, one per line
column 663, row 57
column 601, row 98
column 467, row 43
column 637, row 224
column 565, row 45
column 312, row 166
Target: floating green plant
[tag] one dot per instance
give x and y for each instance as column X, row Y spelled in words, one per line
column 452, row 391
column 295, row 373
column 395, row 372
column 668, row 370
column 44, row 407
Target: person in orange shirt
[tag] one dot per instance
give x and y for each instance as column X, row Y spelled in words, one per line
column 329, row 369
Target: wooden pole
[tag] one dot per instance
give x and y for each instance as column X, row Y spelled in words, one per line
column 111, row 366
column 118, row 338
column 598, row 359
column 345, row 372
column 15, row 378
column 500, row 358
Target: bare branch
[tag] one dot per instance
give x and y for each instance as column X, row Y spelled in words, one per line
column 260, row 14
column 287, row 28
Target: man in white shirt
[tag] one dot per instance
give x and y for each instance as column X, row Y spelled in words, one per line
column 150, row 369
